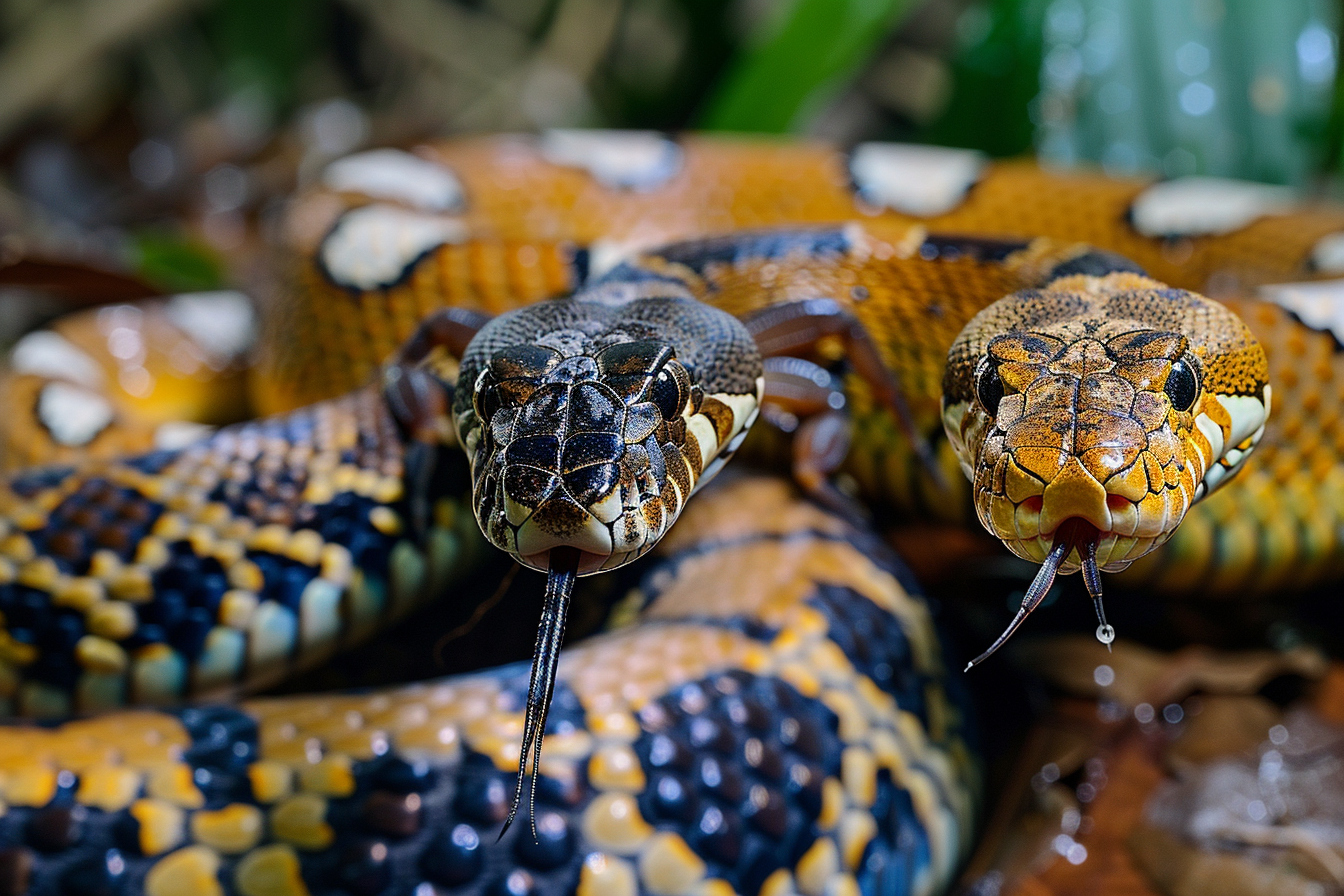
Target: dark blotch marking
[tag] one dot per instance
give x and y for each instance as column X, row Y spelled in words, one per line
column 1096, row 263
column 529, row 486
column 586, row 448
column 561, row 516
column 587, row 485
column 874, row 641
column 595, row 408
column 751, row 247
column 536, row 451
column 951, row 247
column 639, row 358
column 744, row 820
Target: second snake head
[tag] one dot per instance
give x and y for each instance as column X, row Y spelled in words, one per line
column 1115, row 402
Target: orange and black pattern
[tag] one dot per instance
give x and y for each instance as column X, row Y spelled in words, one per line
column 772, row 717
column 779, row 717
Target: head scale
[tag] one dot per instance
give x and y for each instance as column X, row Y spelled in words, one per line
column 1101, row 408
column 589, row 421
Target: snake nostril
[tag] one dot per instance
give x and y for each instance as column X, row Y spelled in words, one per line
column 1033, row 503
column 1118, row 502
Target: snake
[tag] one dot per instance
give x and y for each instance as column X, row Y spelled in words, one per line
column 593, row 314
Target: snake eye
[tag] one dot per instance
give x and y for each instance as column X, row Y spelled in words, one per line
column 665, row 393
column 1182, row 384
column 988, row 385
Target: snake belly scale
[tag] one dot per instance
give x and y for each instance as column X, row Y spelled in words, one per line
column 773, row 716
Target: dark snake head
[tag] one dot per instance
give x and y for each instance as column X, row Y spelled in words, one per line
column 590, row 421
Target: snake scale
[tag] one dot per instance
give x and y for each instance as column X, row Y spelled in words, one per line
column 770, row 711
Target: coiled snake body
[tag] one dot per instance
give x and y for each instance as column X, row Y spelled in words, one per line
column 779, row 719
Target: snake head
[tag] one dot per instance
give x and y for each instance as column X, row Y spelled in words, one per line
column 1097, row 410
column 589, row 422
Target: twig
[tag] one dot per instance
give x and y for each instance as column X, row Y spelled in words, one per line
column 576, row 43
column 452, row 38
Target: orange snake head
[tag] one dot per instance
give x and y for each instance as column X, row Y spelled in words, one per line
column 589, row 421
column 1089, row 415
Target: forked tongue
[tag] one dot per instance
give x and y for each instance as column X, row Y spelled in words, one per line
column 564, row 568
column 1072, row 533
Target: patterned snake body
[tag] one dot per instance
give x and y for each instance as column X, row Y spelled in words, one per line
column 778, row 720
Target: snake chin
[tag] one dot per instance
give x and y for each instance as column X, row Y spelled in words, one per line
column 589, row 562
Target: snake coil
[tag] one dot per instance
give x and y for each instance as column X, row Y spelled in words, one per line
column 770, row 711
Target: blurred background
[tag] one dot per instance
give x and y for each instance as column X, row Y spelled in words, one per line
column 144, row 136
column 144, row 144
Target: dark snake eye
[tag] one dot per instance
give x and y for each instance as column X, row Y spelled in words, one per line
column 988, row 386
column 1182, row 385
column 665, row 393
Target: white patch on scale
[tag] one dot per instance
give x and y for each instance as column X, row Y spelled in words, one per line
column 71, row 414
column 1327, row 256
column 1215, row 476
column 1202, row 206
column 1319, row 304
column 397, row 175
column 603, row 255
column 1214, row 433
column 49, row 354
column 1248, row 415
column 223, row 323
column 915, row 180
column 372, row 246
column 744, row 407
column 179, row 434
column 620, row 160
column 705, row 437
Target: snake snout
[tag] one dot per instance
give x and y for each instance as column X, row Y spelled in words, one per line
column 1103, row 474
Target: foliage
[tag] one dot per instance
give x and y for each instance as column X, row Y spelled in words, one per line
column 802, row 61
column 175, row 264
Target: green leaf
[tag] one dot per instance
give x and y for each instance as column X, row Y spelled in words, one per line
column 175, row 264
column 996, row 74
column 266, row 43
column 778, row 84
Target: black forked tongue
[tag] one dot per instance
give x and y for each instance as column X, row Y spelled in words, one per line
column 564, row 568
column 1072, row 533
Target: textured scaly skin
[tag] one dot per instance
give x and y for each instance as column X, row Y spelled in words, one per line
column 508, row 248
column 591, row 421
column 779, row 716
column 1116, row 400
column 515, row 249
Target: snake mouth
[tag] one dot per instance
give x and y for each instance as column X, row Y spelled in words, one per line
column 1127, row 528
column 1114, row 551
column 1078, row 538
